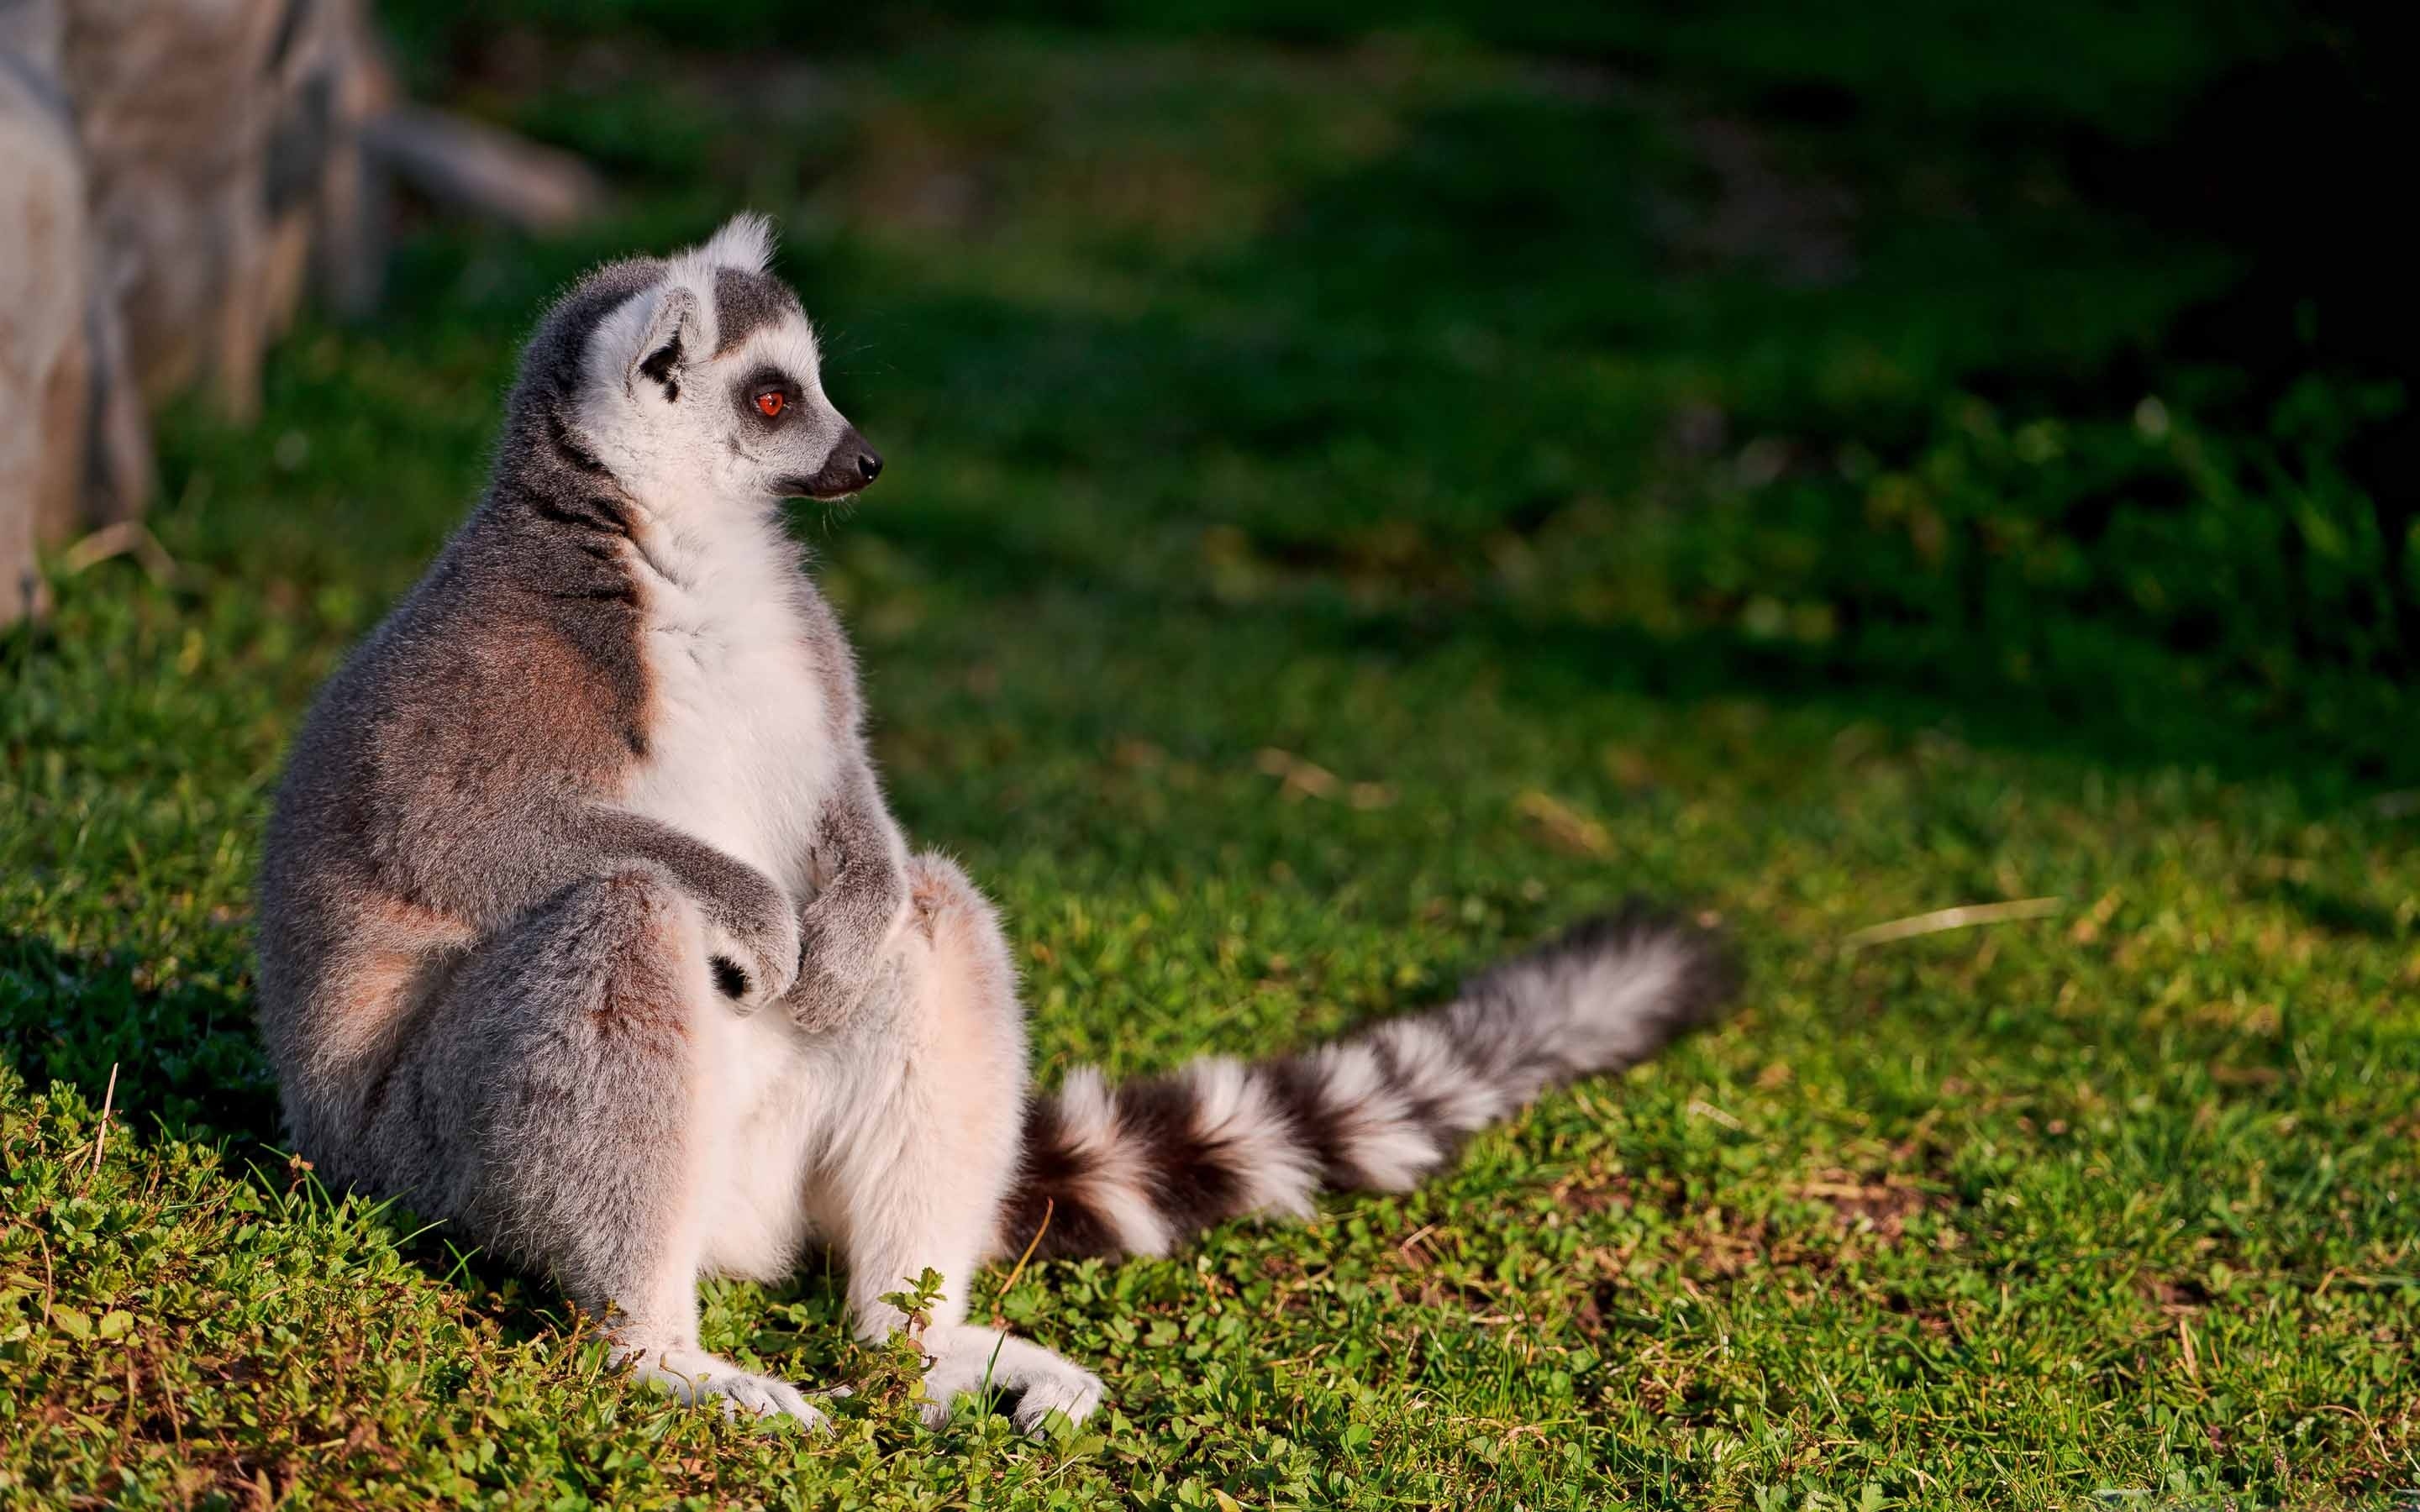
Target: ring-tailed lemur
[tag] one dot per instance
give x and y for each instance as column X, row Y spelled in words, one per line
column 594, row 798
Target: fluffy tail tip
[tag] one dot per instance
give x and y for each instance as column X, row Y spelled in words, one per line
column 1606, row 993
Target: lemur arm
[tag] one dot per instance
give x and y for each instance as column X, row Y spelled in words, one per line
column 741, row 903
column 461, row 865
column 844, row 929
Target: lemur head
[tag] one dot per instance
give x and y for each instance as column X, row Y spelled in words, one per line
column 706, row 380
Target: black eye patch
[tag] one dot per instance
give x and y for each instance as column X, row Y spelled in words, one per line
column 767, row 396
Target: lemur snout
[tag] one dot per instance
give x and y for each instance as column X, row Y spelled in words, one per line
column 853, row 463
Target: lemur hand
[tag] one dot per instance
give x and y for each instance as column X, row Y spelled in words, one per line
column 845, row 934
column 751, row 941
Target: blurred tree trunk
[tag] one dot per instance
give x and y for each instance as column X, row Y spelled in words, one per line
column 164, row 166
column 219, row 135
column 172, row 174
column 42, row 297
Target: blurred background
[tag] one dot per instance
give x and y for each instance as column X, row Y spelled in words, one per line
column 2035, row 359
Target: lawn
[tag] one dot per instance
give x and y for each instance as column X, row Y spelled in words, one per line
column 1359, row 499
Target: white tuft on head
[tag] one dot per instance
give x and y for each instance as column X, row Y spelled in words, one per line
column 745, row 243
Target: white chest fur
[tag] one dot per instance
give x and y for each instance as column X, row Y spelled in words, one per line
column 741, row 750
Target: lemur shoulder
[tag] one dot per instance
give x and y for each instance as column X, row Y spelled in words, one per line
column 584, row 925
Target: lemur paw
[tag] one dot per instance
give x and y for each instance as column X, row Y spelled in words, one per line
column 695, row 1376
column 823, row 1000
column 754, row 964
column 818, row 1003
column 1071, row 1393
column 975, row 1361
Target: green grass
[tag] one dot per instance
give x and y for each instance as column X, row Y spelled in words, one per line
column 1354, row 508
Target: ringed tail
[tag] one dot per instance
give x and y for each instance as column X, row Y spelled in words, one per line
column 1137, row 1168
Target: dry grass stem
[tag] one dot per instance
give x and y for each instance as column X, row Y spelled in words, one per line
column 1966, row 916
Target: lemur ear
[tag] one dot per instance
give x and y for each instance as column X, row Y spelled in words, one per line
column 745, row 243
column 663, row 354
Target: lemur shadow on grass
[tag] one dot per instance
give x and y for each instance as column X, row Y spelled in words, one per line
column 798, row 1328
column 187, row 1057
column 190, row 1068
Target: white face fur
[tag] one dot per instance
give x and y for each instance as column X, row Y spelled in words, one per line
column 704, row 389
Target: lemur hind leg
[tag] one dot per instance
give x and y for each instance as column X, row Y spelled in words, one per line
column 919, row 1176
column 560, row 1101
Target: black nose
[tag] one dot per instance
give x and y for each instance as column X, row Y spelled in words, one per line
column 851, row 465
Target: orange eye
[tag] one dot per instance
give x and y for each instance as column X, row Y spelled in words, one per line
column 769, row 403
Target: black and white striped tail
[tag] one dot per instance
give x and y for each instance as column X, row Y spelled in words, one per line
column 1134, row 1169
